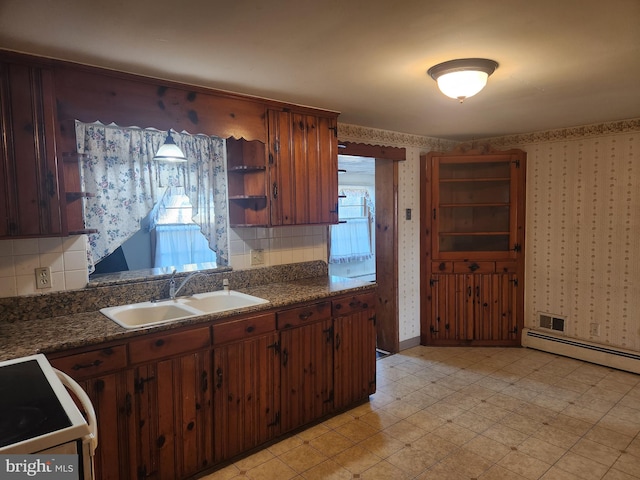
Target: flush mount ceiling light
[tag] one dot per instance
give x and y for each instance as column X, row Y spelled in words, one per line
column 462, row 78
column 169, row 151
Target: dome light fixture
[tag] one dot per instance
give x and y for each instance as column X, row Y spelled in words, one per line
column 170, row 152
column 462, row 78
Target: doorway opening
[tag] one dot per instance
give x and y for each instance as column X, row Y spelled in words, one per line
column 352, row 245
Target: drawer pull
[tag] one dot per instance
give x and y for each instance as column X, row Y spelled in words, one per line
column 190, row 426
column 250, row 329
column 305, row 315
column 80, row 366
column 159, row 342
column 473, row 267
column 354, row 304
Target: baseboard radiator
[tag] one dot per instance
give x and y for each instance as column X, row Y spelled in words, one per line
column 579, row 349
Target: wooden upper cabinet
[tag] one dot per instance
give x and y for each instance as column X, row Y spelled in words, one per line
column 29, row 180
column 303, row 161
column 475, row 210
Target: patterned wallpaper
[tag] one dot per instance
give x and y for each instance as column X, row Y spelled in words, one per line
column 582, row 228
column 583, row 233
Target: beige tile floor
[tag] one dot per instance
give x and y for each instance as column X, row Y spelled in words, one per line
column 470, row 413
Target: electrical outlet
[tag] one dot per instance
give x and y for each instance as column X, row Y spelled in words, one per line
column 257, row 256
column 594, row 330
column 43, row 277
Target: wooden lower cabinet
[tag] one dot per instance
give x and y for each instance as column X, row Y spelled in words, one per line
column 174, row 404
column 307, row 373
column 173, row 415
column 473, row 308
column 112, row 403
column 246, row 377
column 354, row 350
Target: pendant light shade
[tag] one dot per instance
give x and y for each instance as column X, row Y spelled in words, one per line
column 462, row 78
column 169, row 151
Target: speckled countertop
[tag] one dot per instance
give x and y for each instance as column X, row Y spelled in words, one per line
column 47, row 335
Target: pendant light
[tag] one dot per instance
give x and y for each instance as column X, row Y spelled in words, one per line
column 462, row 78
column 170, row 152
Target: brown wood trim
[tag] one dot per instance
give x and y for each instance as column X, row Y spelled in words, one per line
column 396, row 154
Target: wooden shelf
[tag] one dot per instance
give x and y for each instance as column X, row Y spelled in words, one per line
column 73, row 196
column 73, row 157
column 247, row 197
column 246, row 169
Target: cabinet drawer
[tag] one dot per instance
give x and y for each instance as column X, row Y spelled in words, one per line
column 474, row 267
column 349, row 305
column 90, row 364
column 442, row 267
column 241, row 329
column 162, row 346
column 303, row 315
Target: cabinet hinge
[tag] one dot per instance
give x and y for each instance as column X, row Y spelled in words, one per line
column 517, row 162
column 276, row 420
column 515, row 330
column 142, row 472
column 515, row 282
column 335, row 131
column 276, row 146
column 433, row 281
column 138, row 384
column 330, row 398
column 517, row 247
column 329, row 333
column 373, row 319
column 275, row 346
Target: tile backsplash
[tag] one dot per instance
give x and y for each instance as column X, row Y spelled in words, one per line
column 66, row 256
column 68, row 259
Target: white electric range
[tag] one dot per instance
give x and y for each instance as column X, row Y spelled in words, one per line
column 39, row 416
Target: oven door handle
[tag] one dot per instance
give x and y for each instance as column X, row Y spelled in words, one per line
column 77, row 390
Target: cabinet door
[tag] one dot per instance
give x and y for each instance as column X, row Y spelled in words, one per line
column 495, row 308
column 29, row 191
column 303, row 168
column 306, row 373
column 246, row 398
column 112, row 402
column 354, row 353
column 173, row 417
column 452, row 306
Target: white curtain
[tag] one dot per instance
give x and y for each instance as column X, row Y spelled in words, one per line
column 118, row 167
column 350, row 241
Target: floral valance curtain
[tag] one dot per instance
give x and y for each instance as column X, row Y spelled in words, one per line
column 118, row 167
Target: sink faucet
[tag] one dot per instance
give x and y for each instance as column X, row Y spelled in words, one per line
column 173, row 290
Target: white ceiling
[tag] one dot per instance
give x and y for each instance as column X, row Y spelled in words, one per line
column 562, row 63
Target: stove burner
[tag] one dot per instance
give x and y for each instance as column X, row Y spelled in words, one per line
column 18, row 422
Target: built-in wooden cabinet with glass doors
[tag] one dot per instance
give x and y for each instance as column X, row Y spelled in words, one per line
column 472, row 247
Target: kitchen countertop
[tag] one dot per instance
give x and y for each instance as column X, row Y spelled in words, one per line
column 48, row 335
